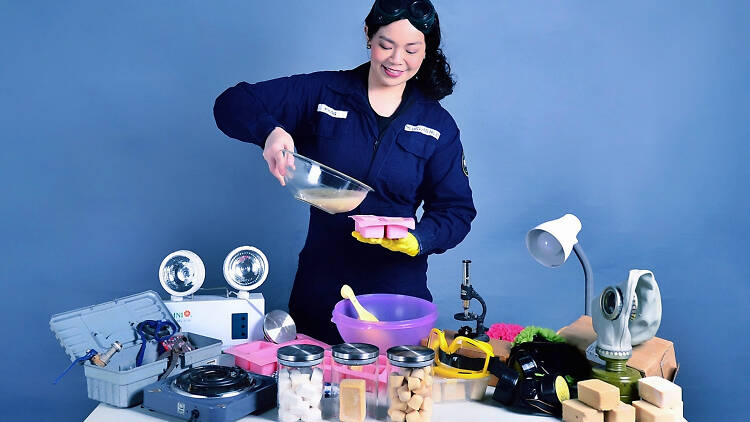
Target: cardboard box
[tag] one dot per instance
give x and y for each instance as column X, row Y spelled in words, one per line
column 500, row 348
column 655, row 357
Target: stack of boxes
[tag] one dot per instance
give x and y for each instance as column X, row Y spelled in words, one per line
column 598, row 401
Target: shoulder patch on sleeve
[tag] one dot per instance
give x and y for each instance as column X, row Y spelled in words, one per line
column 463, row 164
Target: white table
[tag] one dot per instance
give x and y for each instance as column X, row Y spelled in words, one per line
column 472, row 411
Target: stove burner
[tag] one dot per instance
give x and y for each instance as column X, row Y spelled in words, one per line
column 213, row 381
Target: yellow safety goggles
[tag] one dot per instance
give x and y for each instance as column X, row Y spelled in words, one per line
column 463, row 358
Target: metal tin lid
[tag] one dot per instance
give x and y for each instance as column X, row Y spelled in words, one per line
column 349, row 352
column 301, row 353
column 279, row 327
column 245, row 268
column 411, row 356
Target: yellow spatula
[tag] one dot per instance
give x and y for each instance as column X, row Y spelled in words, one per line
column 364, row 314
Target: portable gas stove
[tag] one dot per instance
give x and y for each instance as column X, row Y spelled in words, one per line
column 212, row 393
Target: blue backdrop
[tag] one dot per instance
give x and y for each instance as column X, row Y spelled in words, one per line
column 630, row 115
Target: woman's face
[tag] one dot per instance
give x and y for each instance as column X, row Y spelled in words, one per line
column 398, row 50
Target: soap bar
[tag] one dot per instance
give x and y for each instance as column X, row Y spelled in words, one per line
column 598, row 394
column 659, row 392
column 352, row 400
column 576, row 411
column 677, row 408
column 453, row 390
column 647, row 412
column 622, row 413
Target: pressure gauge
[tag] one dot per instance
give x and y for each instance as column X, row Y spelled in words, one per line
column 182, row 273
column 245, row 268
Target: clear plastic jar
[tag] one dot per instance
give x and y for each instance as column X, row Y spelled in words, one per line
column 354, row 378
column 300, row 382
column 410, row 383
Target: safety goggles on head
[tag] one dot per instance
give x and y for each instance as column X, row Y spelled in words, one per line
column 420, row 13
column 472, row 361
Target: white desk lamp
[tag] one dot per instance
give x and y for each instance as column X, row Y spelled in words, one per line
column 550, row 244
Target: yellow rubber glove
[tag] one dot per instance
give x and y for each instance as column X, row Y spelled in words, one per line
column 408, row 245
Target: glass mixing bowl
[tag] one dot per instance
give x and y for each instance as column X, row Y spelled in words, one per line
column 321, row 186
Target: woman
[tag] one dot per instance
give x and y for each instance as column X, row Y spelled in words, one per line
column 380, row 123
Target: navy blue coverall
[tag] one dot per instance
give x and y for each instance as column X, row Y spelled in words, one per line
column 418, row 157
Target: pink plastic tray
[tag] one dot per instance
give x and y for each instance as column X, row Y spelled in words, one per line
column 373, row 226
column 260, row 357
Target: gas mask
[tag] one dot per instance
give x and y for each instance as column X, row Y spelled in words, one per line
column 626, row 315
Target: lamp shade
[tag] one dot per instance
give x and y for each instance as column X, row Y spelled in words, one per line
column 182, row 273
column 550, row 243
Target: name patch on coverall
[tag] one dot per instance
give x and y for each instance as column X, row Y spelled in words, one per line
column 339, row 114
column 424, row 130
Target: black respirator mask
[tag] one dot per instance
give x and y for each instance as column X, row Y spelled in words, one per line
column 539, row 375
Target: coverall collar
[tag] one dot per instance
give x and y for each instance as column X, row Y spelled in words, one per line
column 353, row 86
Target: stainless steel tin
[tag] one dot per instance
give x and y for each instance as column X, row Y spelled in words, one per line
column 279, row 327
column 411, row 356
column 300, row 355
column 355, row 353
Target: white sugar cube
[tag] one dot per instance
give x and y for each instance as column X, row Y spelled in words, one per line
column 312, row 414
column 298, row 379
column 287, row 396
column 298, row 407
column 309, row 391
column 313, row 401
column 317, row 376
column 285, row 416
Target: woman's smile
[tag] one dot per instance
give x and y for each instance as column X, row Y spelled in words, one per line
column 393, row 73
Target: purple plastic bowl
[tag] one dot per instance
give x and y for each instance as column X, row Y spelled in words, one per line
column 403, row 320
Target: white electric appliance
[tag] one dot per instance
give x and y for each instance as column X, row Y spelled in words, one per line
column 233, row 320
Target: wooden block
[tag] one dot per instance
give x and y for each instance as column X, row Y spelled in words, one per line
column 415, row 402
column 647, row 412
column 396, row 415
column 598, row 394
column 396, row 380
column 399, row 405
column 576, row 411
column 403, row 393
column 622, row 413
column 659, row 392
column 413, row 416
column 414, row 383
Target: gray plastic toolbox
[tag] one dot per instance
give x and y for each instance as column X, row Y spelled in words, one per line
column 121, row 383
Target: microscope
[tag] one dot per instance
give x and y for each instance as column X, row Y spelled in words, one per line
column 467, row 294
